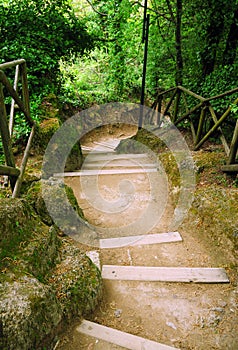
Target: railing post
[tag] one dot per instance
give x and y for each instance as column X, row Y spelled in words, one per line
column 17, row 187
column 234, row 146
column 200, row 124
column 176, row 105
column 215, row 127
column 158, row 110
column 170, row 101
column 6, row 139
column 25, row 91
column 11, row 119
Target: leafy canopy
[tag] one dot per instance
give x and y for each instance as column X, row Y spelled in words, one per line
column 41, row 32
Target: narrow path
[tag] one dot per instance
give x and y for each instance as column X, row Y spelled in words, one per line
column 148, row 302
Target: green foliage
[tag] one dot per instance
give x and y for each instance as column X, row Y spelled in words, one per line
column 41, row 32
column 222, row 79
column 118, row 33
column 55, row 43
column 83, row 80
column 219, row 81
column 88, row 80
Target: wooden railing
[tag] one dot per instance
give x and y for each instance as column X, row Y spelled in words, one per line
column 6, row 126
column 174, row 102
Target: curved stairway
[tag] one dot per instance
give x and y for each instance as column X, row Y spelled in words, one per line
column 134, row 280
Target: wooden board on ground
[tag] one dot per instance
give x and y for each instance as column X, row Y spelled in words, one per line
column 94, row 157
column 97, row 152
column 120, row 338
column 110, row 143
column 105, row 172
column 117, row 165
column 165, row 274
column 156, row 238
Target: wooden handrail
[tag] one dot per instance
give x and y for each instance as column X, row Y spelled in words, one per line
column 14, row 94
column 15, row 175
column 12, row 64
column 215, row 127
column 204, row 107
column 189, row 92
column 6, row 139
column 8, row 170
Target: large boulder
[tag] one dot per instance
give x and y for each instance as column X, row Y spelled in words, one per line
column 29, row 312
column 45, row 280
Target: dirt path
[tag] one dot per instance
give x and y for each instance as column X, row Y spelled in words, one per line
column 181, row 315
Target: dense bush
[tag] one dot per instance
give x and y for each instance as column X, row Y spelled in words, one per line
column 41, row 32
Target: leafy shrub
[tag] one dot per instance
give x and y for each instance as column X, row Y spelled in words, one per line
column 41, row 32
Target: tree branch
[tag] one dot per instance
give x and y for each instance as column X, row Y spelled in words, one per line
column 95, row 10
column 171, row 11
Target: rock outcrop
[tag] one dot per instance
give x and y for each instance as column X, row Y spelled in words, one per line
column 45, row 279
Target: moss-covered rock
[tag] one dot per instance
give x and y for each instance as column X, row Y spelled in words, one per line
column 53, row 191
column 76, row 278
column 44, row 281
column 15, row 216
column 44, row 133
column 28, row 312
column 142, row 142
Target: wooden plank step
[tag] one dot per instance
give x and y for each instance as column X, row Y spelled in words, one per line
column 86, row 148
column 165, row 274
column 105, row 172
column 114, row 336
column 94, row 152
column 156, row 238
column 102, row 149
column 96, row 157
column 115, row 165
column 110, row 143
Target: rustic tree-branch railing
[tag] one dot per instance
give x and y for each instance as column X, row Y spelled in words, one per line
column 174, row 102
column 6, row 127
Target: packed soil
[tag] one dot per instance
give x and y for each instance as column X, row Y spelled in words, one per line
column 186, row 316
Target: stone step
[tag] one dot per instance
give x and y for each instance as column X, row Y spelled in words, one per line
column 148, row 239
column 123, row 339
column 165, row 274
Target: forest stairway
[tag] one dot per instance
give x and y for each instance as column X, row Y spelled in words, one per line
column 132, row 277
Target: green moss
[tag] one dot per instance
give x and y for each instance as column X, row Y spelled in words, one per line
column 78, row 283
column 16, row 223
column 34, row 197
column 141, row 143
column 42, row 253
column 214, row 215
column 73, row 201
column 41, row 279
column 44, row 133
column 209, row 166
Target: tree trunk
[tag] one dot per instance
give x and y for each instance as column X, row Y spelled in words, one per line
column 214, row 34
column 229, row 54
column 179, row 58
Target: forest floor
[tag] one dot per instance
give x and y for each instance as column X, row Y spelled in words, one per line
column 182, row 315
column 189, row 316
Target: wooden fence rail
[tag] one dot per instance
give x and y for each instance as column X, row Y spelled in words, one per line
column 6, row 128
column 174, row 102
